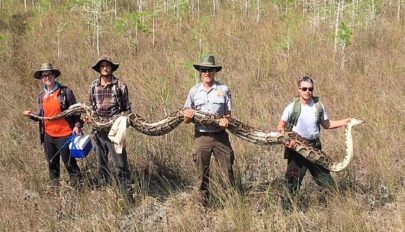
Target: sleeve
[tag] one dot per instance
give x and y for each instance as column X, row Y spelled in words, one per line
column 287, row 112
column 71, row 99
column 189, row 102
column 126, row 105
column 34, row 119
column 90, row 95
column 228, row 100
column 325, row 114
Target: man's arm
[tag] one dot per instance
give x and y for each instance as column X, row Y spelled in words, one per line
column 188, row 115
column 331, row 124
column 71, row 99
column 281, row 125
column 126, row 105
column 87, row 119
column 285, row 117
column 227, row 116
column 90, row 95
column 225, row 120
column 188, row 108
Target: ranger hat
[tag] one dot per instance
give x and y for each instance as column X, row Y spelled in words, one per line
column 46, row 67
column 108, row 59
column 207, row 61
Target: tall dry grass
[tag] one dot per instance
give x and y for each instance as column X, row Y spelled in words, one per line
column 261, row 61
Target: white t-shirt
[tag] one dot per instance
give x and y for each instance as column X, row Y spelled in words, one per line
column 307, row 126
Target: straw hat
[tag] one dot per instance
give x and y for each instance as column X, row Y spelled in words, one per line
column 46, row 67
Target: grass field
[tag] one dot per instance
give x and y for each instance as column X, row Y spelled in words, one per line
column 353, row 49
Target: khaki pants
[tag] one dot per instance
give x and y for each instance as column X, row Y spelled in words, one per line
column 218, row 144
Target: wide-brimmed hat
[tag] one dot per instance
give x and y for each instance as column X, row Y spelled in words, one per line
column 207, row 61
column 114, row 66
column 46, row 67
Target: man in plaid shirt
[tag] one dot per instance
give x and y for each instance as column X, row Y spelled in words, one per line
column 109, row 96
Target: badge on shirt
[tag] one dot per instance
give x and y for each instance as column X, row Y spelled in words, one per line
column 219, row 93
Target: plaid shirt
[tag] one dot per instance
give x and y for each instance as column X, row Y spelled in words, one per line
column 105, row 98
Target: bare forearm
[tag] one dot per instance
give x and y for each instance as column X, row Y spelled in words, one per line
column 336, row 124
column 281, row 125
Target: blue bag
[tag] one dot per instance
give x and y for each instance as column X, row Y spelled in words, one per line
column 80, row 146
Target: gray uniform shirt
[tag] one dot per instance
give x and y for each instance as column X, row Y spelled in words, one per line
column 215, row 101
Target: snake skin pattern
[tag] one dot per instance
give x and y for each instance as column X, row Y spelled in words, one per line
column 236, row 127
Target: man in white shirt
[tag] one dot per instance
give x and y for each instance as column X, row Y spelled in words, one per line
column 306, row 122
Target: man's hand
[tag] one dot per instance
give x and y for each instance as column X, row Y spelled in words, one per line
column 292, row 144
column 224, row 122
column 347, row 120
column 188, row 115
column 87, row 119
column 27, row 113
column 77, row 131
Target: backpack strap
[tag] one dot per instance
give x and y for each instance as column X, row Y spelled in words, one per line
column 63, row 98
column 41, row 127
column 118, row 94
column 93, row 90
column 319, row 111
column 293, row 119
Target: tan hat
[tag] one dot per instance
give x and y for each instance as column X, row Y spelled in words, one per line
column 207, row 61
column 46, row 67
column 108, row 59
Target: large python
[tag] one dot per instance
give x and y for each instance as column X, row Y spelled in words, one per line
column 236, row 127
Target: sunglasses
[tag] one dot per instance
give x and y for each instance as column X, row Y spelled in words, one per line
column 310, row 89
column 46, row 75
column 204, row 70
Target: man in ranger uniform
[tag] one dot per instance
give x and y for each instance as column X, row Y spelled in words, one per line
column 212, row 97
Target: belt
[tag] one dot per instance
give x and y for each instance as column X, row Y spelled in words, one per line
column 209, row 133
column 312, row 140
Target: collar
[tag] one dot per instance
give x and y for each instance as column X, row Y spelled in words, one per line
column 310, row 103
column 114, row 80
column 214, row 86
column 56, row 87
